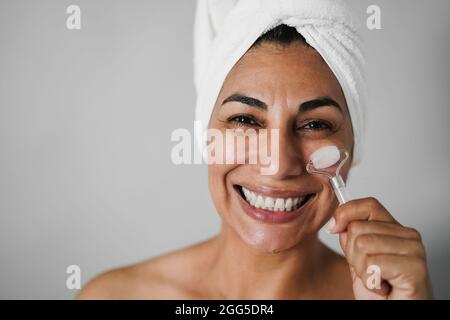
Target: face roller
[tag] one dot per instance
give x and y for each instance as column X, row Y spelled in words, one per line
column 327, row 157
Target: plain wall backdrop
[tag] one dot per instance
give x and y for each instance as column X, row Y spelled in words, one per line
column 86, row 117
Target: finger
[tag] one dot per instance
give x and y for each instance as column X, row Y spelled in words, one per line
column 357, row 228
column 358, row 209
column 372, row 244
column 404, row 273
column 361, row 292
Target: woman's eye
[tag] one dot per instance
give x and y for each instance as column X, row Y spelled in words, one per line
column 317, row 125
column 243, row 120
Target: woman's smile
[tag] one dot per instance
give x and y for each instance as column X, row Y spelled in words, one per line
column 271, row 205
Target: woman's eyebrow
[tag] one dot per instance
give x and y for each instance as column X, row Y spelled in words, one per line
column 253, row 102
column 319, row 102
column 304, row 107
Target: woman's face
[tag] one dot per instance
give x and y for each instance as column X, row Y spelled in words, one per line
column 289, row 88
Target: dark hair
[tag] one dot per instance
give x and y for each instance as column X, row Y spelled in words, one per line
column 281, row 34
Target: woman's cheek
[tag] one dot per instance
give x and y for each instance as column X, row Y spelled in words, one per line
column 217, row 177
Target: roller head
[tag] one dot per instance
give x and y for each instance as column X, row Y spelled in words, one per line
column 325, row 157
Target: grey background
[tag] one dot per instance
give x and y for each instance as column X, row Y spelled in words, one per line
column 86, row 118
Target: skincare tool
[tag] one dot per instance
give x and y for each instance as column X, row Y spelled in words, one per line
column 327, row 157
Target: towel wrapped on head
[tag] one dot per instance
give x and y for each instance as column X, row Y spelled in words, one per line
column 225, row 29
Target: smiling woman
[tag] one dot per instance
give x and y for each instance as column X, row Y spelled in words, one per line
column 268, row 246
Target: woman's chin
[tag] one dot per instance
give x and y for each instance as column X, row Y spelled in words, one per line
column 269, row 239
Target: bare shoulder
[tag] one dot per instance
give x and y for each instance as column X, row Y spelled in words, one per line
column 169, row 276
column 113, row 284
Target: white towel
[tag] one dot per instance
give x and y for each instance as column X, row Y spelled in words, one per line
column 225, row 29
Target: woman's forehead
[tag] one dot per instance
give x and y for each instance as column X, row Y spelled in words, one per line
column 292, row 70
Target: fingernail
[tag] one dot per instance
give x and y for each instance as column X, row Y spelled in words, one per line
column 330, row 225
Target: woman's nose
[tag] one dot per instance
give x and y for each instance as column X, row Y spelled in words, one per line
column 287, row 160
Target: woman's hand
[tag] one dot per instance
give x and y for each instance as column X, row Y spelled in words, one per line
column 372, row 241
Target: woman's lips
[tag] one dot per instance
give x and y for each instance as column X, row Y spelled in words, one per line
column 265, row 212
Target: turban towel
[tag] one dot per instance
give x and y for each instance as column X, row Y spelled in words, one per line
column 225, row 29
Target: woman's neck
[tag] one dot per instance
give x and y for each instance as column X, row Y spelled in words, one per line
column 241, row 272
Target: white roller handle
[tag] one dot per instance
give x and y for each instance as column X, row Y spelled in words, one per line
column 339, row 189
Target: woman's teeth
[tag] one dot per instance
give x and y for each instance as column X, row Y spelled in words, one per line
column 272, row 204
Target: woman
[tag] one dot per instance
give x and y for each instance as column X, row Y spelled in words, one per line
column 254, row 258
